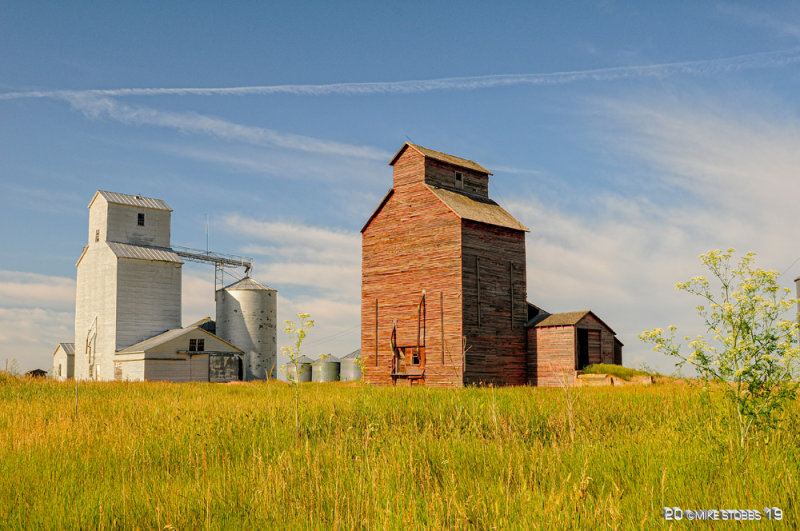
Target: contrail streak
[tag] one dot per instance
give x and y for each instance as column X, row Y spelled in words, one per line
column 729, row 64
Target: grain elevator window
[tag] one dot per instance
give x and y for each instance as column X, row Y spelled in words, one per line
column 459, row 180
column 141, row 219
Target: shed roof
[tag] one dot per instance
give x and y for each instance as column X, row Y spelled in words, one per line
column 569, row 319
column 248, row 283
column 144, row 252
column 68, row 348
column 131, row 200
column 169, row 335
column 562, row 319
column 443, row 157
column 477, row 208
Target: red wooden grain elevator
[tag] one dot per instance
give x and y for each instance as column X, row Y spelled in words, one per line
column 443, row 286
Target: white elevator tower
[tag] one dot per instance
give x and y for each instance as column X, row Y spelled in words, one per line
column 128, row 281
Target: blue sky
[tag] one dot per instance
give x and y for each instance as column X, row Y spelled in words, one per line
column 630, row 137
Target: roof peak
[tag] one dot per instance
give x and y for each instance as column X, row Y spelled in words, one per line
column 248, row 283
column 137, row 200
column 442, row 157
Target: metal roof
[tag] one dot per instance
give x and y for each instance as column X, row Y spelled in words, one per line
column 132, row 200
column 477, row 208
column 169, row 335
column 68, row 348
column 328, row 358
column 248, row 283
column 443, row 157
column 143, row 252
column 353, row 355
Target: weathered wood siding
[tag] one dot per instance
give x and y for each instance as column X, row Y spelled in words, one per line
column 553, row 355
column 495, row 305
column 442, row 174
column 601, row 340
column 411, row 245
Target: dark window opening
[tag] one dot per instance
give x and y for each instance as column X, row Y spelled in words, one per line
column 140, row 220
column 97, row 235
column 583, row 348
column 413, row 355
column 197, row 345
column 459, row 180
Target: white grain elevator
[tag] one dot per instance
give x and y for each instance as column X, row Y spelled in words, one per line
column 128, row 281
column 246, row 317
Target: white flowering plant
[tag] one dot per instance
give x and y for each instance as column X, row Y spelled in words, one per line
column 751, row 347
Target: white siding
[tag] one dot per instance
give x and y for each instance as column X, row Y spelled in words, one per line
column 178, row 370
column 123, row 225
column 148, row 300
column 132, row 371
column 96, row 296
column 132, row 300
column 170, row 360
column 65, row 362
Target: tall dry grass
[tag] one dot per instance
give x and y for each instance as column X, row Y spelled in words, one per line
column 227, row 456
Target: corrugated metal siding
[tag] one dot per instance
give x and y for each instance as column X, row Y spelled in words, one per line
column 134, row 200
column 139, row 252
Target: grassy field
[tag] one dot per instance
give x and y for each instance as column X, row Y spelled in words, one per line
column 187, row 456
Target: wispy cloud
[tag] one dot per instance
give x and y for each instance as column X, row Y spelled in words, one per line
column 298, row 241
column 192, row 122
column 770, row 59
column 26, row 290
column 718, row 176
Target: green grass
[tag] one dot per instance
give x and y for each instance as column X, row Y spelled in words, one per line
column 626, row 373
column 227, row 456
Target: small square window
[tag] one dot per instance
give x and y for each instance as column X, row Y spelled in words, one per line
column 459, row 180
column 97, row 235
column 197, row 345
column 140, row 221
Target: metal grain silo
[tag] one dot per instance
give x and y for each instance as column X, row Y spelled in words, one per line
column 304, row 364
column 350, row 368
column 246, row 318
column 325, row 369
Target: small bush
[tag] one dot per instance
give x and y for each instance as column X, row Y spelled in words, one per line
column 626, row 373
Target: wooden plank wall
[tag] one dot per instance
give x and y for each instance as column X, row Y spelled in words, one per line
column 554, row 356
column 495, row 304
column 442, row 174
column 606, row 350
column 411, row 245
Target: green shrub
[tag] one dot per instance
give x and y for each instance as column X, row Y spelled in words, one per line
column 626, row 373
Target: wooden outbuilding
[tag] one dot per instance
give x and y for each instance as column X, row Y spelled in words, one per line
column 443, row 285
column 561, row 344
